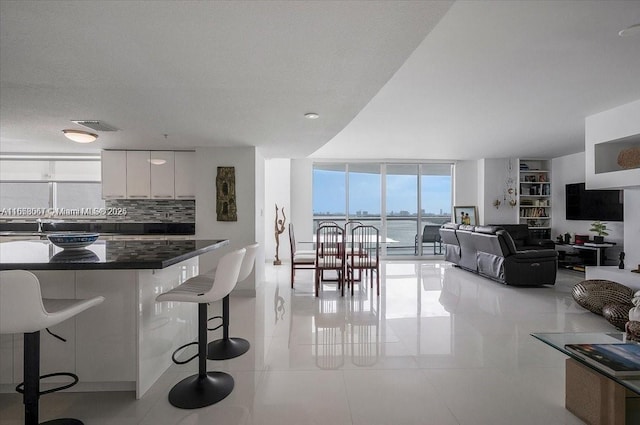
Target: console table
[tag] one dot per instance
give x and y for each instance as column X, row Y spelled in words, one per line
column 598, row 248
column 591, row 393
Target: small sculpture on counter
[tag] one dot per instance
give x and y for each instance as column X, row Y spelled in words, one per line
column 621, row 265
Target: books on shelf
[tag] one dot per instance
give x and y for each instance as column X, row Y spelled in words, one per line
column 619, row 360
column 533, row 212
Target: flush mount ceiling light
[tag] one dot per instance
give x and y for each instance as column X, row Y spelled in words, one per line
column 311, row 116
column 80, row 136
column 157, row 161
column 633, row 29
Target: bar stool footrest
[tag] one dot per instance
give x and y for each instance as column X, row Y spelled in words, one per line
column 20, row 386
column 176, row 361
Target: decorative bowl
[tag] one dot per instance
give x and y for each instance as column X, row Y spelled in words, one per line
column 73, row 240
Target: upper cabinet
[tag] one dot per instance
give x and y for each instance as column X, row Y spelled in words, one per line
column 148, row 175
column 535, row 196
column 138, row 175
column 162, row 175
column 114, row 177
column 185, row 164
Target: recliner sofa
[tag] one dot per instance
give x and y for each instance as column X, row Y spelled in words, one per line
column 491, row 252
column 524, row 238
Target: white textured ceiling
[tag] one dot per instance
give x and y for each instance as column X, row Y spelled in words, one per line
column 501, row 79
column 483, row 79
column 206, row 73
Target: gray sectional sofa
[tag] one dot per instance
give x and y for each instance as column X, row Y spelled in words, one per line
column 491, row 252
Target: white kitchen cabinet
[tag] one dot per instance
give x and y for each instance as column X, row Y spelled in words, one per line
column 138, row 175
column 162, row 175
column 185, row 163
column 114, row 176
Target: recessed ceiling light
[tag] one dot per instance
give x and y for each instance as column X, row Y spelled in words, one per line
column 80, row 136
column 157, row 161
column 633, row 29
column 311, row 115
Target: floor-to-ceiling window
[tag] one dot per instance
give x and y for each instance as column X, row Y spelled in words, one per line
column 401, row 208
column 435, row 202
column 399, row 199
column 364, row 193
column 329, row 194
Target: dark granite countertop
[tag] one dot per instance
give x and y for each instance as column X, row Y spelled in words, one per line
column 103, row 255
column 123, row 228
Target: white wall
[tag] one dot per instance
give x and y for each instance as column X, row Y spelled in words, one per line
column 465, row 183
column 632, row 228
column 571, row 169
column 260, row 182
column 302, row 199
column 480, row 183
column 277, row 191
column 616, row 123
column 242, row 232
column 496, row 173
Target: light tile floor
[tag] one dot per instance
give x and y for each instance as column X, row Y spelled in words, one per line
column 439, row 346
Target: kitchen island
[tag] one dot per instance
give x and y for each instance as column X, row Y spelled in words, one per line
column 125, row 343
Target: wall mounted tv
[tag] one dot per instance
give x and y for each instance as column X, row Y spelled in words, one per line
column 604, row 205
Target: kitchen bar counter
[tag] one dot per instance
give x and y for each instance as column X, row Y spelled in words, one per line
column 125, row 343
column 103, row 255
column 123, row 228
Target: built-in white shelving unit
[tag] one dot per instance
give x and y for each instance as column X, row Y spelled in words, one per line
column 534, row 195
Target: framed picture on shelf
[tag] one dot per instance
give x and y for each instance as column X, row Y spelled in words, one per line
column 466, row 215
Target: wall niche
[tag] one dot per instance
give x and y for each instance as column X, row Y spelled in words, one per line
column 616, row 155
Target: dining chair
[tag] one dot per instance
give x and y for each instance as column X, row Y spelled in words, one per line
column 364, row 255
column 330, row 254
column 300, row 259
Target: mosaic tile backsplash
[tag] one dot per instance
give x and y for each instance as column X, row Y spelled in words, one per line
column 149, row 210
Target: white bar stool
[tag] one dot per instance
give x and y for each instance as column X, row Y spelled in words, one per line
column 227, row 348
column 23, row 310
column 205, row 388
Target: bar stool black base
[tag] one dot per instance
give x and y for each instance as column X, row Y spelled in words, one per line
column 201, row 391
column 63, row 421
column 224, row 349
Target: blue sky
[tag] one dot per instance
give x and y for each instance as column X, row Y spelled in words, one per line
column 329, row 192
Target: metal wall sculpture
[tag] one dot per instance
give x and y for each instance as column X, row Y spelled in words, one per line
column 226, row 194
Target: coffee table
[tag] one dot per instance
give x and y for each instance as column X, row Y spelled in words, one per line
column 591, row 393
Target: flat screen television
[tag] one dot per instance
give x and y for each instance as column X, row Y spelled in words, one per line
column 604, row 205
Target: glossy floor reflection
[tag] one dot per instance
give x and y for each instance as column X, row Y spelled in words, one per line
column 440, row 346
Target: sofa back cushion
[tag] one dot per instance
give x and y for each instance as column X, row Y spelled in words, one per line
column 490, row 244
column 448, row 234
column 518, row 232
column 468, row 251
column 507, row 241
